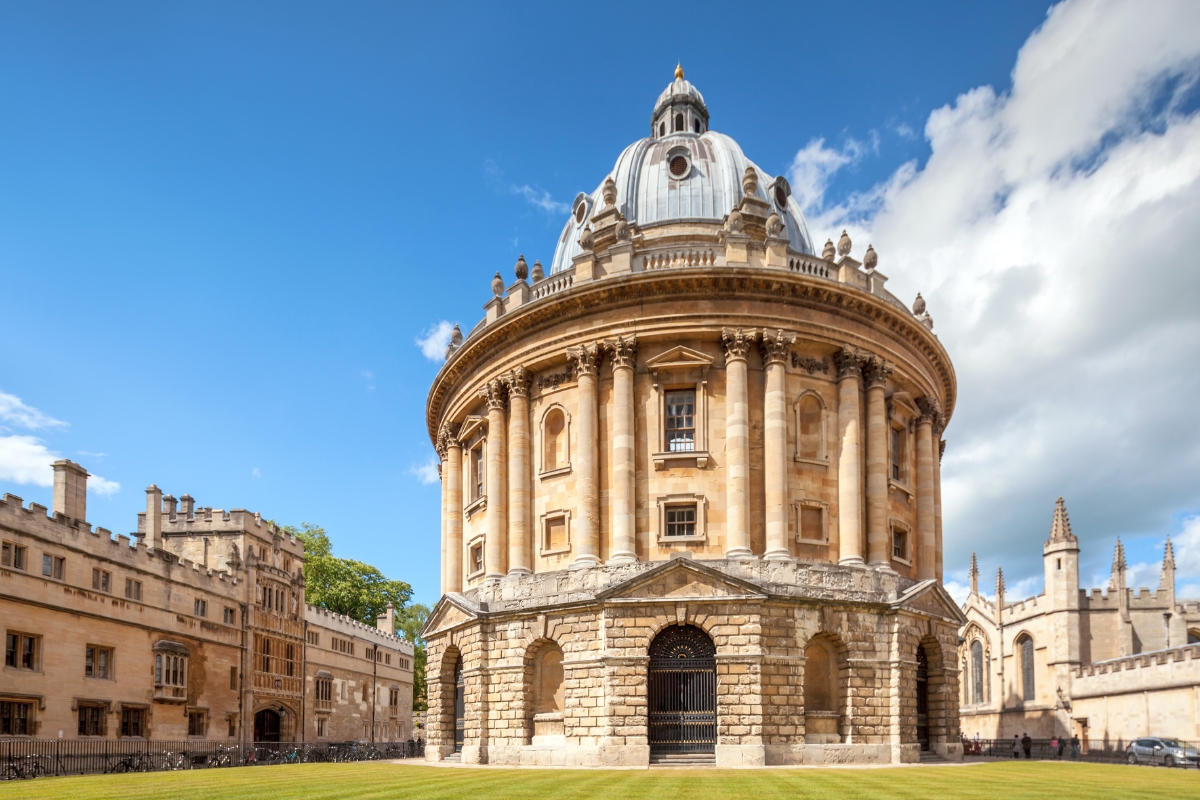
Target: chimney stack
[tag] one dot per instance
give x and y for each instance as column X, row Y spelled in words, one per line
column 154, row 517
column 169, row 505
column 387, row 622
column 70, row 490
column 187, row 506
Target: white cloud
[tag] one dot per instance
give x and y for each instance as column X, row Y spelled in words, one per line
column 102, row 485
column 254, row 473
column 14, row 412
column 434, row 341
column 369, row 379
column 426, row 473
column 814, row 167
column 541, row 199
column 1053, row 231
column 26, row 459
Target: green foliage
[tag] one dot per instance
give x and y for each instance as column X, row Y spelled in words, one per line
column 360, row 591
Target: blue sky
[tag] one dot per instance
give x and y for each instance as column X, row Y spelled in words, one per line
column 224, row 226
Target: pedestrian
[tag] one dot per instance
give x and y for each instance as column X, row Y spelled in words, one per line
column 1061, row 744
column 1054, row 747
column 1016, row 746
column 1027, row 745
column 1074, row 747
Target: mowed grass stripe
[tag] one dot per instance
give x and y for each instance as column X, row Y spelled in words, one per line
column 1006, row 780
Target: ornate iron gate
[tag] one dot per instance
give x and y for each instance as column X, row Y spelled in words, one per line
column 922, row 698
column 682, row 692
column 460, row 706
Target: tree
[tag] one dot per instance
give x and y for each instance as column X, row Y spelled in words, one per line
column 361, row 592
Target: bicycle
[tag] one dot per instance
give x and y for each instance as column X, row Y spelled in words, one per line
column 23, row 767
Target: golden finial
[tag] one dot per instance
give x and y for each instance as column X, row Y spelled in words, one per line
column 678, row 72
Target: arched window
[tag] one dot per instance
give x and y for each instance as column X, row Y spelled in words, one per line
column 662, row 129
column 679, row 122
column 1194, row 636
column 696, row 125
column 810, row 428
column 1025, row 648
column 976, row 672
column 819, row 679
column 554, row 440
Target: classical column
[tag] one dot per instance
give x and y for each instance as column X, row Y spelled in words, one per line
column 849, row 370
column 441, row 451
column 586, row 359
column 937, row 495
column 875, row 375
column 623, row 353
column 926, row 546
column 452, row 492
column 494, row 544
column 775, row 348
column 519, row 553
column 737, row 444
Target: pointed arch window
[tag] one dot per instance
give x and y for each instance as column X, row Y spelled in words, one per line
column 1025, row 648
column 976, row 671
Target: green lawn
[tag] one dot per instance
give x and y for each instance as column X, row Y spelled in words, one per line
column 994, row 781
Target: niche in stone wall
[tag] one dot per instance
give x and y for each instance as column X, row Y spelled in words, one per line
column 544, row 691
column 822, row 691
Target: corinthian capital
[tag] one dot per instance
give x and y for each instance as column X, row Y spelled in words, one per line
column 736, row 343
column 517, row 382
column 876, row 371
column 622, row 351
column 585, row 358
column 447, row 437
column 494, row 394
column 931, row 410
column 848, row 362
column 776, row 345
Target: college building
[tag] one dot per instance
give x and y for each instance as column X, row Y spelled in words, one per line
column 194, row 628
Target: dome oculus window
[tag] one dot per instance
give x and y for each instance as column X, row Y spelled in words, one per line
column 679, row 162
column 780, row 190
column 581, row 208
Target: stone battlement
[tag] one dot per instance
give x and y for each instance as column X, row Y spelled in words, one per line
column 316, row 615
column 1159, row 669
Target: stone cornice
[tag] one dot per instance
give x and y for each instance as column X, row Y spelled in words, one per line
column 693, row 284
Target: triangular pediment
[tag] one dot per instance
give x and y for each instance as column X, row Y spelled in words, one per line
column 682, row 579
column 931, row 597
column 679, row 358
column 451, row 611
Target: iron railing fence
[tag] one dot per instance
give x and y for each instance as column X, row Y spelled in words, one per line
column 1043, row 749
column 31, row 758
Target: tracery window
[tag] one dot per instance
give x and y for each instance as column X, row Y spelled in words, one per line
column 1025, row 648
column 976, row 672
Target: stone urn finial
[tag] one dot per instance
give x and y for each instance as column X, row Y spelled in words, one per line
column 521, row 269
column 538, row 272
column 919, row 305
column 774, row 225
column 829, row 251
column 497, row 285
column 749, row 181
column 844, row 244
column 456, row 335
column 585, row 238
column 734, row 223
column 609, row 191
column 871, row 258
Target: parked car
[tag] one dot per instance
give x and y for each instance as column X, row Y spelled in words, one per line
column 1168, row 752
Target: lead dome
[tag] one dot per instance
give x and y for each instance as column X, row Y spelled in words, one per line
column 682, row 173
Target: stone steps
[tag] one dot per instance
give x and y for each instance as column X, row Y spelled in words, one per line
column 684, row 760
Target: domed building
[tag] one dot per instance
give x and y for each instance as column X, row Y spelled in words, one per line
column 690, row 485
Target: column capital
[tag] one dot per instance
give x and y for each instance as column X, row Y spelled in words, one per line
column 447, row 438
column 931, row 411
column 941, row 450
column 494, row 393
column 776, row 345
column 848, row 362
column 736, row 343
column 517, row 382
column 876, row 371
column 586, row 358
column 622, row 351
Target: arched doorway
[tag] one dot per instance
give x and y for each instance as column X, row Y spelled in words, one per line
column 922, row 698
column 682, row 692
column 266, row 726
column 460, row 706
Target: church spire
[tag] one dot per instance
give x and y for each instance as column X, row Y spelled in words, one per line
column 1167, row 581
column 1060, row 527
column 1117, row 581
column 999, row 589
column 974, row 575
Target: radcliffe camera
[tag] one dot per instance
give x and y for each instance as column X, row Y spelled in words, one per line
column 530, row 405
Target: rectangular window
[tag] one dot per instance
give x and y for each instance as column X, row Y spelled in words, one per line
column 91, row 720
column 394, row 699
column 290, row 660
column 313, row 638
column 264, row 654
column 324, row 691
column 170, row 670
column 233, row 678
column 101, row 580
column 133, row 722
column 681, row 520
column 13, row 555
column 16, row 719
column 477, row 558
column 321, row 726
column 20, row 651
column 197, row 723
column 200, row 607
column 231, row 727
column 229, row 616
column 97, row 662
column 477, row 471
column 52, row 566
column 681, row 421
column 811, row 527
column 900, row 544
column 556, row 534
column 133, row 589
column 897, row 453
